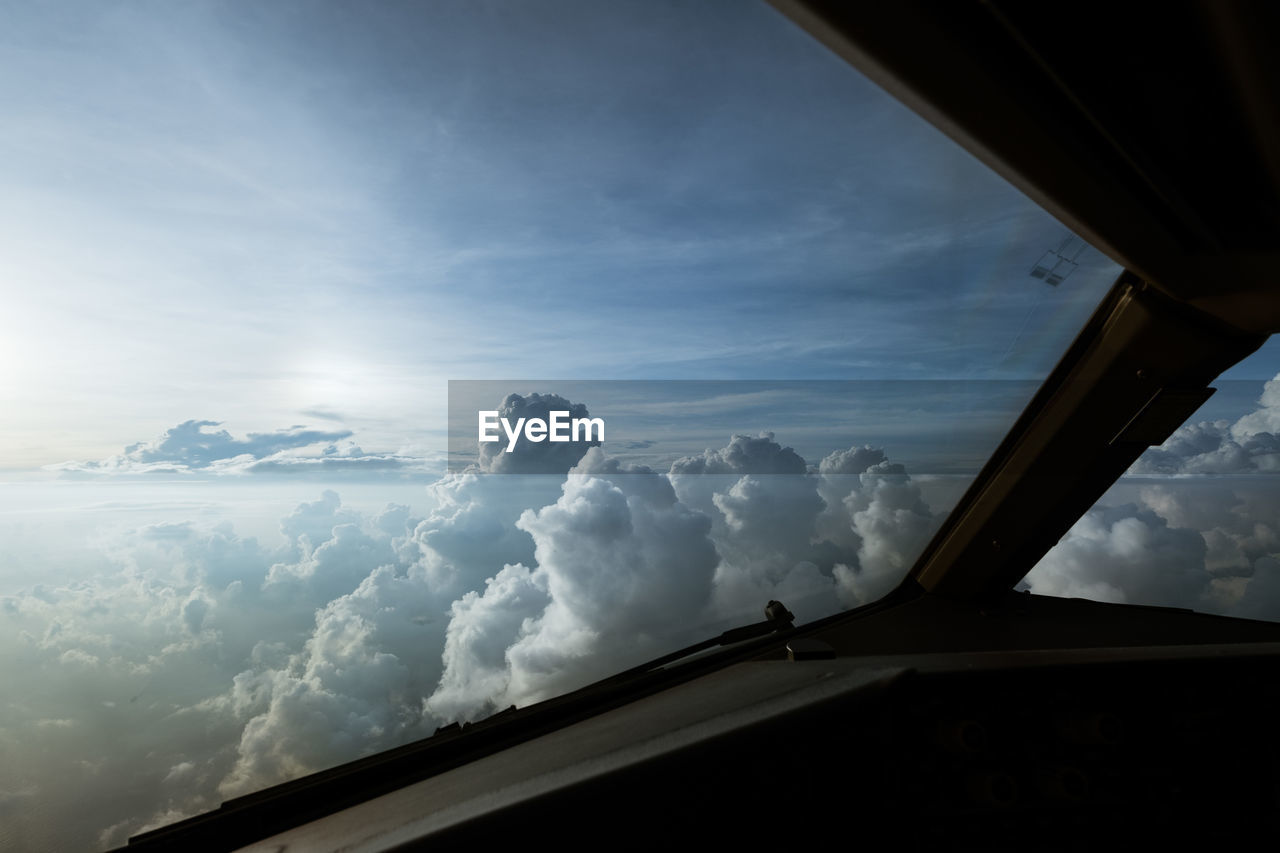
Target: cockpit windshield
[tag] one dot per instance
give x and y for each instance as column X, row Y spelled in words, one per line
column 269, row 270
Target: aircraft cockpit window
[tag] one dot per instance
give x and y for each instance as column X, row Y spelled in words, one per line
column 1192, row 524
column 267, row 266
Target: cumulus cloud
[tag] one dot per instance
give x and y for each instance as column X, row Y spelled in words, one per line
column 623, row 570
column 1125, row 554
column 185, row 668
column 355, row 688
column 1239, row 521
column 528, row 457
column 1196, row 557
column 472, row 528
column 1263, row 419
column 265, row 663
column 1211, row 447
column 628, row 567
column 893, row 523
column 207, row 664
column 483, row 625
column 629, row 562
column 763, row 504
column 744, row 454
column 311, row 524
column 1249, row 444
column 845, row 534
column 196, row 447
column 1202, row 542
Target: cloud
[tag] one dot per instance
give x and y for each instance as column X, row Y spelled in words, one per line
column 844, row 534
column 527, row 457
column 206, row 664
column 194, row 447
column 1206, row 538
column 311, row 524
column 190, row 445
column 1265, row 419
column 763, row 504
column 1248, row 445
column 623, row 571
column 839, row 475
column 893, row 523
column 355, row 687
column 324, row 415
column 629, row 562
column 1239, row 521
column 472, row 528
column 743, row 454
column 1125, row 554
column 483, row 625
column 182, row 668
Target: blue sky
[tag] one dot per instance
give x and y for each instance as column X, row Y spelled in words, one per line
column 316, row 214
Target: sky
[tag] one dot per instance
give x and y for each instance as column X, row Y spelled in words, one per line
column 314, row 213
column 247, row 251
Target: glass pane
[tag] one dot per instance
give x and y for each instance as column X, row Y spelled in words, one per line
column 1194, row 522
column 245, row 250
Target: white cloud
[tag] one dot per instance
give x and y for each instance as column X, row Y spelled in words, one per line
column 623, row 569
column 195, row 447
column 355, row 687
column 1265, row 418
column 1250, row 444
column 743, row 454
column 893, row 523
column 483, row 625
column 206, row 664
column 763, row 504
column 1202, row 542
column 527, row 457
column 843, row 535
column 1125, row 554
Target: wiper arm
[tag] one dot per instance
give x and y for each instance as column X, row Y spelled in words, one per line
column 777, row 618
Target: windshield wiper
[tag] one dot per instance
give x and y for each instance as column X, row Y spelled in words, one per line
column 777, row 619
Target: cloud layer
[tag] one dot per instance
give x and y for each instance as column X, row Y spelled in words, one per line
column 201, row 664
column 204, row 665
